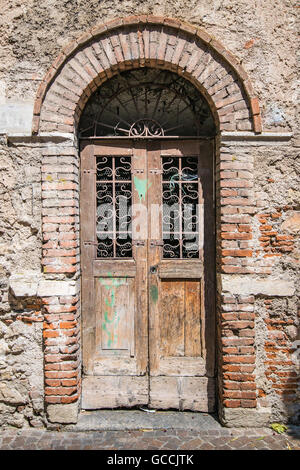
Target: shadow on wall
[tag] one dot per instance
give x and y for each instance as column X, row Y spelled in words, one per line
column 291, row 400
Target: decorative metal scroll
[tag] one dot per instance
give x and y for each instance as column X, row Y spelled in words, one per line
column 180, row 207
column 114, row 200
column 146, row 102
column 146, row 127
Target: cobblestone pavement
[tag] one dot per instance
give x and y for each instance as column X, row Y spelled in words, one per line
column 227, row 439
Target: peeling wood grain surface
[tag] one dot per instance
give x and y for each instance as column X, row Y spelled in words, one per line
column 146, row 319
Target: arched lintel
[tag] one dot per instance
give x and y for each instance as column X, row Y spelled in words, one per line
column 152, row 64
column 192, row 31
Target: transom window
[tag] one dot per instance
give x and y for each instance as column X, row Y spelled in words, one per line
column 146, row 102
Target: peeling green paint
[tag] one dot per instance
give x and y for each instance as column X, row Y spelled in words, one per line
column 142, row 186
column 110, row 287
column 115, row 320
column 154, row 293
column 114, row 282
column 110, row 340
column 111, row 303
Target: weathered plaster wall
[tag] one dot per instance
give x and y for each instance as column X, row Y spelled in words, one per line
column 277, row 240
column 260, row 288
column 21, row 357
column 263, row 36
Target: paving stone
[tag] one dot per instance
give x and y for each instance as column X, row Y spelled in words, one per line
column 171, row 439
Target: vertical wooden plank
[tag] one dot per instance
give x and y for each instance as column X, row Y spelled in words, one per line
column 172, row 318
column 192, row 341
column 204, row 318
column 98, row 315
column 88, row 234
column 139, row 236
column 154, row 251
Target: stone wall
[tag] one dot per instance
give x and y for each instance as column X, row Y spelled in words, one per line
column 34, row 301
column 263, row 38
column 258, row 251
column 277, row 231
column 259, row 318
column 21, row 356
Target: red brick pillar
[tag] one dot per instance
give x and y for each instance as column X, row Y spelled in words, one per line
column 60, row 288
column 237, row 361
column 235, row 261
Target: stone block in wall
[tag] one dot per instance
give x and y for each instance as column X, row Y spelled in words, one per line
column 16, row 117
column 32, row 283
column 25, row 284
column 11, row 395
column 292, row 223
column 242, row 285
column 239, row 417
column 64, row 414
column 51, row 288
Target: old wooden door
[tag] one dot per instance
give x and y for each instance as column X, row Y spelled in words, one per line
column 147, row 243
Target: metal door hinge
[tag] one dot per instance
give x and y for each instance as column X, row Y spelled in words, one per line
column 137, row 171
column 156, row 243
column 89, row 242
column 156, row 171
column 90, row 171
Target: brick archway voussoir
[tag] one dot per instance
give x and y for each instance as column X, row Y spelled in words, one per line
column 80, row 69
column 138, row 42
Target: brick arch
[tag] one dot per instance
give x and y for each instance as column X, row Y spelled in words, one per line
column 78, row 71
column 141, row 41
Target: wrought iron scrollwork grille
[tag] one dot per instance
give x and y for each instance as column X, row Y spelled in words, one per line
column 180, row 212
column 180, row 191
column 148, row 103
column 114, row 200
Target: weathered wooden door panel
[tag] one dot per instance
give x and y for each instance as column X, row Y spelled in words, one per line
column 177, row 312
column 177, row 343
column 148, row 309
column 114, row 304
column 114, row 287
column 180, row 327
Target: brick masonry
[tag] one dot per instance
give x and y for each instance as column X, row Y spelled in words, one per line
column 74, row 76
column 145, row 41
column 60, row 227
column 235, row 328
column 257, row 331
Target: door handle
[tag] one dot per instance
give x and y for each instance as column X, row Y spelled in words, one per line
column 153, row 269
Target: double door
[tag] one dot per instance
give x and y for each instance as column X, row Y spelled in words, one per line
column 147, row 247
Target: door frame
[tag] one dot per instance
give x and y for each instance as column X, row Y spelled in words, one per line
column 233, row 152
column 211, row 331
